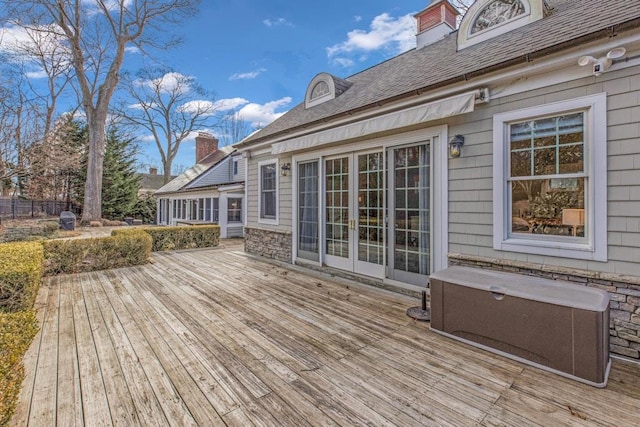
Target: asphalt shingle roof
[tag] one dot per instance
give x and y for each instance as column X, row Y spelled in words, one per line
column 196, row 170
column 440, row 64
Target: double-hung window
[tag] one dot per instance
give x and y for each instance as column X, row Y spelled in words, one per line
column 550, row 172
column 268, row 189
column 234, row 210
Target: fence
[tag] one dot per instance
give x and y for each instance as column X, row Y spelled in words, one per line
column 15, row 208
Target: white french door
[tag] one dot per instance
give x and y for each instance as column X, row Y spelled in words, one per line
column 354, row 238
column 410, row 213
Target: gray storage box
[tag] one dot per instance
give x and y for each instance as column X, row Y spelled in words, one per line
column 554, row 325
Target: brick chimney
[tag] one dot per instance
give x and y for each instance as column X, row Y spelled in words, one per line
column 205, row 145
column 153, row 171
column 435, row 22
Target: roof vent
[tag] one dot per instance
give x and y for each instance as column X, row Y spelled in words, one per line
column 435, row 22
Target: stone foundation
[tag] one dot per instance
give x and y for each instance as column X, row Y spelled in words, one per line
column 624, row 291
column 268, row 243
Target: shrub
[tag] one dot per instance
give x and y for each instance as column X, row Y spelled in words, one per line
column 174, row 238
column 20, row 273
column 80, row 255
column 16, row 332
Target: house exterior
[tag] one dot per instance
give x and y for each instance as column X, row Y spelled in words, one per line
column 210, row 192
column 151, row 182
column 511, row 143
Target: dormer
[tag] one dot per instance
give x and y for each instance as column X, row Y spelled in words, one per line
column 486, row 19
column 324, row 87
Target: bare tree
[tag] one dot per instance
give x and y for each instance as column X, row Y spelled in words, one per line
column 56, row 161
column 462, row 5
column 170, row 106
column 98, row 33
column 233, row 128
column 21, row 124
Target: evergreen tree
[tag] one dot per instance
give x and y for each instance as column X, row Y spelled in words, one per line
column 120, row 182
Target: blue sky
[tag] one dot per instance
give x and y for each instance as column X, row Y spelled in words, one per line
column 262, row 54
column 259, row 56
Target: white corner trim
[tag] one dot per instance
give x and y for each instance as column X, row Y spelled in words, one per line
column 595, row 248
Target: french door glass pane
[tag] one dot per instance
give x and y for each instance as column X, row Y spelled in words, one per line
column 411, row 209
column 308, row 243
column 370, row 208
column 337, row 211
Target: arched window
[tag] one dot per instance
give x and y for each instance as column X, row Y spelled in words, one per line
column 324, row 87
column 486, row 19
column 319, row 90
column 496, row 13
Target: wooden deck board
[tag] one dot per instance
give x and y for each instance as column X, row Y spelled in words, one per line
column 69, row 401
column 95, row 404
column 44, row 401
column 21, row 415
column 215, row 337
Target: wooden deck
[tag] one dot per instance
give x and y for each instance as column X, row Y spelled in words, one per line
column 215, row 337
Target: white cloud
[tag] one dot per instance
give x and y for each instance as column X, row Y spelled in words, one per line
column 261, row 115
column 198, row 107
column 344, row 62
column 11, row 38
column 386, row 32
column 277, row 22
column 31, row 46
column 357, row 18
column 170, row 82
column 248, row 76
column 147, row 138
column 141, row 106
column 229, row 104
column 132, row 49
column 40, row 74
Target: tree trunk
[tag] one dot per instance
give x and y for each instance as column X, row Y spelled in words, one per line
column 167, row 172
column 92, row 207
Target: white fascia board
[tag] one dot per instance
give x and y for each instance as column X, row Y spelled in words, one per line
column 232, row 187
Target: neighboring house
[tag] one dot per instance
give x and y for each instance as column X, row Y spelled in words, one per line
column 212, row 191
column 150, row 182
column 547, row 181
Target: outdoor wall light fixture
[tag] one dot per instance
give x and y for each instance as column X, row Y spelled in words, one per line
column 455, row 146
column 602, row 65
column 285, row 168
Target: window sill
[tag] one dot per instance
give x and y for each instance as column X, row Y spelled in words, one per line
column 268, row 221
column 583, row 251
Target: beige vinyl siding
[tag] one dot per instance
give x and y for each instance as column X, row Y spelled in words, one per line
column 284, row 195
column 471, row 185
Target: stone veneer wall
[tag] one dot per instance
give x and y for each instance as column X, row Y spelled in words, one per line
column 624, row 291
column 268, row 243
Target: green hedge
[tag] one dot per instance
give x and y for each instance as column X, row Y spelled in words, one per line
column 20, row 274
column 16, row 333
column 80, row 255
column 174, row 238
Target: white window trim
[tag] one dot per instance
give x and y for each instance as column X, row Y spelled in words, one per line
column 322, row 77
column 242, row 209
column 595, row 248
column 268, row 221
column 440, row 186
column 534, row 10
